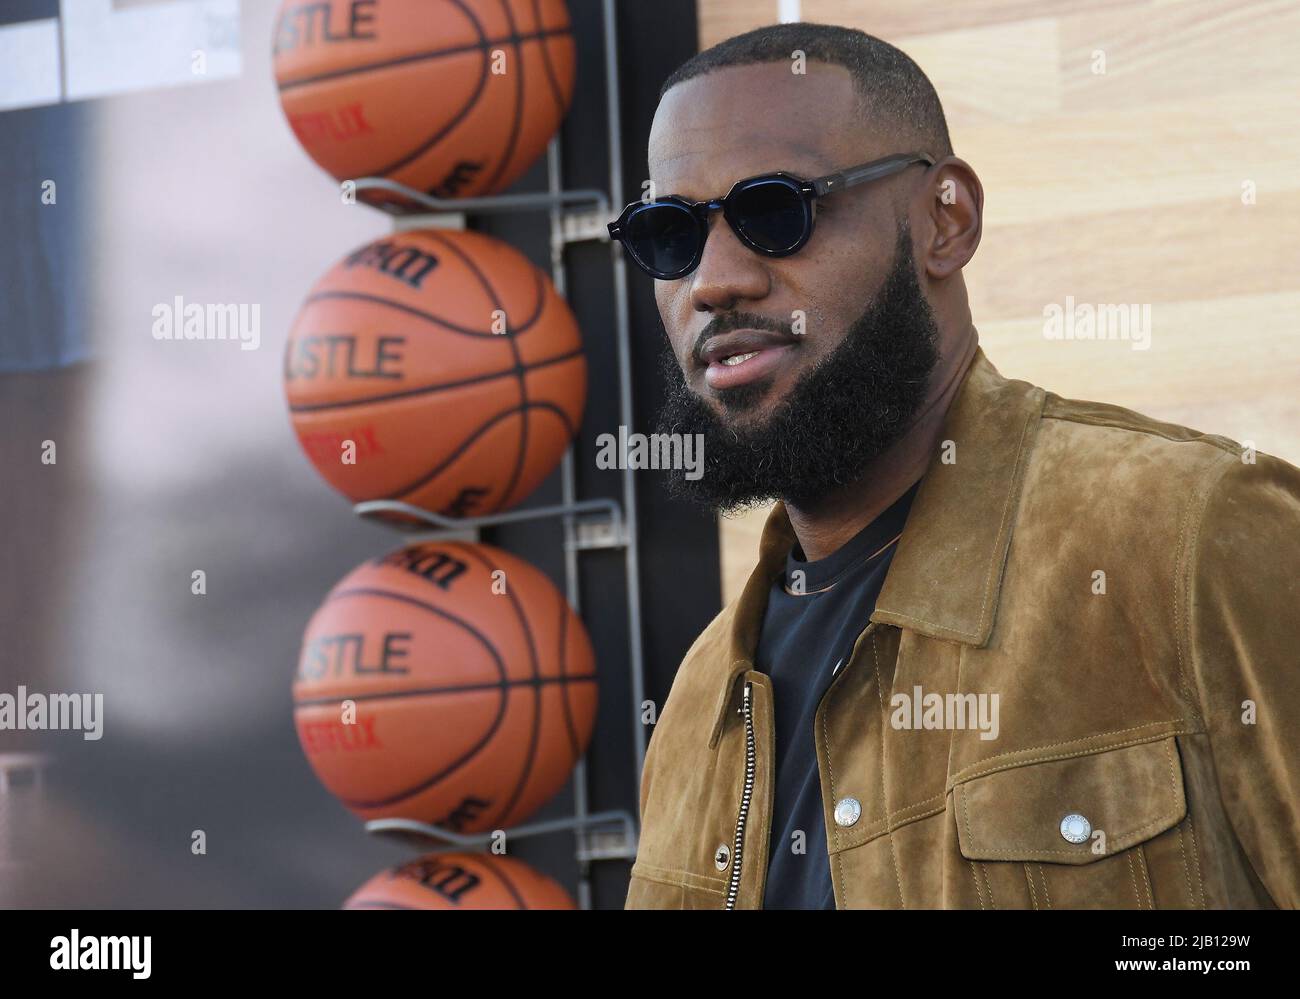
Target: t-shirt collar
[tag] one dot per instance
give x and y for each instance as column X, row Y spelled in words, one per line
column 863, row 546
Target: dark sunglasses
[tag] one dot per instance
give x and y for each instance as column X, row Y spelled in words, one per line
column 771, row 214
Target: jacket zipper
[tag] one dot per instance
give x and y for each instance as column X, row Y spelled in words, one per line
column 737, row 847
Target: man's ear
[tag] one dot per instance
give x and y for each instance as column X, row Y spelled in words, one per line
column 953, row 200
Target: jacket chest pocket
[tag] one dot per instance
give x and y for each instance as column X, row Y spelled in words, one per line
column 1101, row 830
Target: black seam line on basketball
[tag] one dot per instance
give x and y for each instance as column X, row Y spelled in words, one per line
column 484, row 46
column 476, row 552
column 461, row 115
column 546, row 62
column 539, row 289
column 362, row 296
column 473, row 750
column 468, row 688
column 423, row 147
column 314, row 407
column 564, row 689
column 495, row 871
column 507, row 491
column 513, row 142
column 465, row 445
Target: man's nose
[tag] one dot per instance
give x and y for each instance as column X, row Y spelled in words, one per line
column 729, row 272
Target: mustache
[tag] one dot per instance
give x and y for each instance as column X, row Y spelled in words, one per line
column 730, row 321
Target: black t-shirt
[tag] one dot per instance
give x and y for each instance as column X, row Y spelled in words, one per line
column 814, row 615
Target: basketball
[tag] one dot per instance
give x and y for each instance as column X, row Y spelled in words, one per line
column 460, row 881
column 435, row 367
column 472, row 685
column 451, row 97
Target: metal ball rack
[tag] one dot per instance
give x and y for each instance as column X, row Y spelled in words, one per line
column 576, row 216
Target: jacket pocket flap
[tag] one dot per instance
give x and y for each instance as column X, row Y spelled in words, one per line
column 1126, row 795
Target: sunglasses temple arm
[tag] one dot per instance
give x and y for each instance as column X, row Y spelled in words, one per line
column 869, row 171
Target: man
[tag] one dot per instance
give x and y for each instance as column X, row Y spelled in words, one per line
column 1001, row 649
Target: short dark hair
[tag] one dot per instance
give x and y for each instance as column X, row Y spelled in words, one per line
column 891, row 86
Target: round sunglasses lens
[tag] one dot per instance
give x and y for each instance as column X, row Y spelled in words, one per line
column 663, row 237
column 771, row 214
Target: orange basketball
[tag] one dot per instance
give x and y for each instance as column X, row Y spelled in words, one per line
column 435, row 367
column 460, row 881
column 451, row 97
column 473, row 685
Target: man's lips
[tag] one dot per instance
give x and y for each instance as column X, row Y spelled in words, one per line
column 743, row 356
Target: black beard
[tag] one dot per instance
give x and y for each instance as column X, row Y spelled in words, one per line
column 839, row 416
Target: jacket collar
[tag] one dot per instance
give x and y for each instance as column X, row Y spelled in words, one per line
column 946, row 573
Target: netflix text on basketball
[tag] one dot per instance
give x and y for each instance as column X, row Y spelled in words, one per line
column 453, row 339
column 424, row 639
column 481, row 73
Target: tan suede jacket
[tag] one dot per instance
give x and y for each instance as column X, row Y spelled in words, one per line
column 1128, row 591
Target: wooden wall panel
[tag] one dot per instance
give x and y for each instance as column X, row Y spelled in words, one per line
column 1122, row 186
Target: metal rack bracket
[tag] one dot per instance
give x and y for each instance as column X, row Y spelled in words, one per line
column 609, row 835
column 601, row 527
column 587, row 223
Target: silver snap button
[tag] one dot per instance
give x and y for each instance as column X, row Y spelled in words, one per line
column 847, row 811
column 1075, row 828
column 722, row 857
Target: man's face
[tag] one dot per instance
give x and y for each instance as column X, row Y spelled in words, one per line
column 805, row 412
